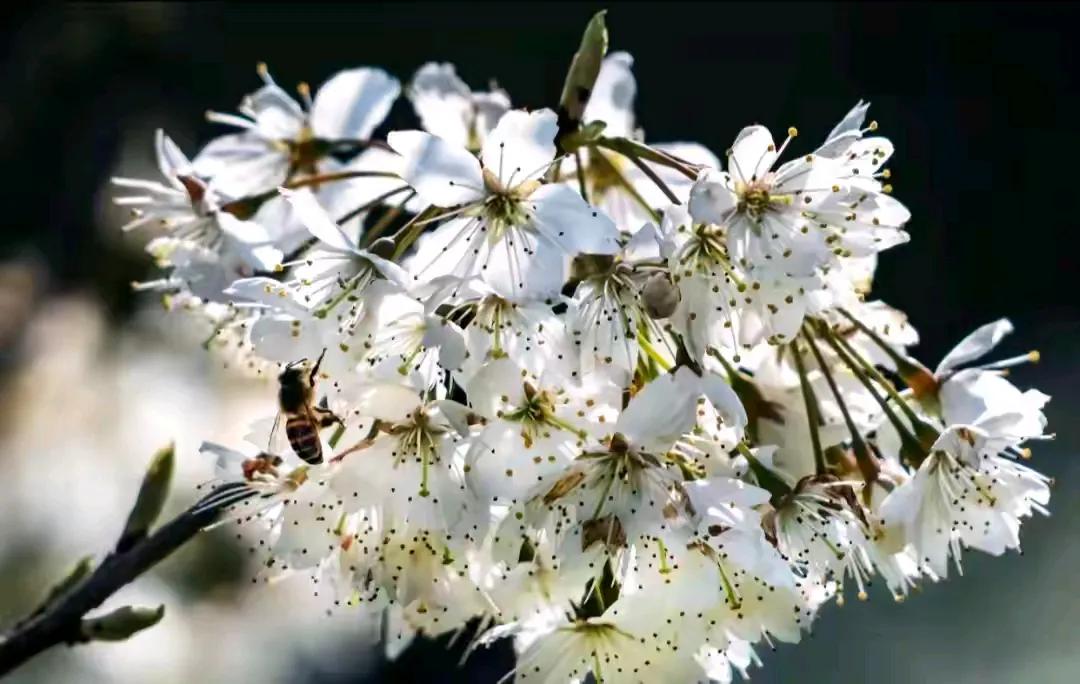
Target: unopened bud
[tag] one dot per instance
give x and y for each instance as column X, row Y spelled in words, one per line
column 383, row 247
column 660, row 295
column 122, row 623
column 151, row 498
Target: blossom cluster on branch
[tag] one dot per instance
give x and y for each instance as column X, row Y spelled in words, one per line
column 625, row 402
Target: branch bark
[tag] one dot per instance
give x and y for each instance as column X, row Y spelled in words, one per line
column 60, row 620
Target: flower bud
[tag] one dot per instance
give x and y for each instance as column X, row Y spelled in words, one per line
column 122, row 623
column 660, row 296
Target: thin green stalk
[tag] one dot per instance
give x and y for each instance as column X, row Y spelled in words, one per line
column 657, row 181
column 630, row 148
column 867, row 465
column 408, row 233
column 652, row 353
column 913, row 373
column 387, row 219
column 813, row 415
column 627, row 185
column 581, row 176
column 370, row 205
column 925, row 433
column 910, row 446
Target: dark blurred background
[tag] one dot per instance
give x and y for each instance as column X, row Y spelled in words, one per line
column 979, row 99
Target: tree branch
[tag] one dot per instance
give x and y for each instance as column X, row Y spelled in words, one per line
column 61, row 619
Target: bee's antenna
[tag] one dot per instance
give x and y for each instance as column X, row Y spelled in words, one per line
column 294, row 364
column 318, row 362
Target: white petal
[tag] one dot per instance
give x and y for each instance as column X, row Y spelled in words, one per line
column 266, row 291
column 844, row 133
column 711, row 197
column 975, row 345
column 443, row 174
column 277, row 115
column 752, row 154
column 307, row 208
column 523, row 265
column 386, row 401
column 497, row 386
column 724, row 398
column 661, row 412
column 521, row 147
column 612, row 98
column 171, row 161
column 353, row 103
column 448, row 339
column 713, row 497
column 567, row 220
column 442, row 101
column 277, row 337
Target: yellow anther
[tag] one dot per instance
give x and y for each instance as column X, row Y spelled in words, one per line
column 262, row 70
column 887, row 189
column 836, row 188
column 278, row 268
column 886, row 173
column 863, row 596
column 873, row 125
column 1034, row 356
column 1025, row 453
column 793, row 132
column 304, row 89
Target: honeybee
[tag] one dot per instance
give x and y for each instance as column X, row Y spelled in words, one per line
column 303, row 417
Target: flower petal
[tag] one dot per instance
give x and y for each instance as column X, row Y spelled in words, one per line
column 975, row 345
column 711, row 197
column 443, row 174
column 353, row 103
column 752, row 155
column 521, row 147
column 442, row 101
column 561, row 215
column 307, row 208
column 612, row 98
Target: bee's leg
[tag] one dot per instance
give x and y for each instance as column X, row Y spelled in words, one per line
column 326, row 417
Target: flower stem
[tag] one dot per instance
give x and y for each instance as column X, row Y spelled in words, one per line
column 925, row 434
column 867, row 465
column 61, row 620
column 581, row 176
column 630, row 149
column 657, row 181
column 914, row 374
column 387, row 219
column 373, row 203
column 599, row 157
column 813, row 415
column 652, row 353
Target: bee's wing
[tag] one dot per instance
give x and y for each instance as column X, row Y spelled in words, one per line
column 273, row 433
column 265, row 434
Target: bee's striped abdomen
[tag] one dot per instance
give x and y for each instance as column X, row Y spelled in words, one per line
column 304, row 439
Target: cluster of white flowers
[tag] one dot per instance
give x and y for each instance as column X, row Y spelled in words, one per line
column 626, row 403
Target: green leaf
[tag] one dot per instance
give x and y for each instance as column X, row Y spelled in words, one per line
column 151, row 499
column 581, row 77
column 121, row 623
